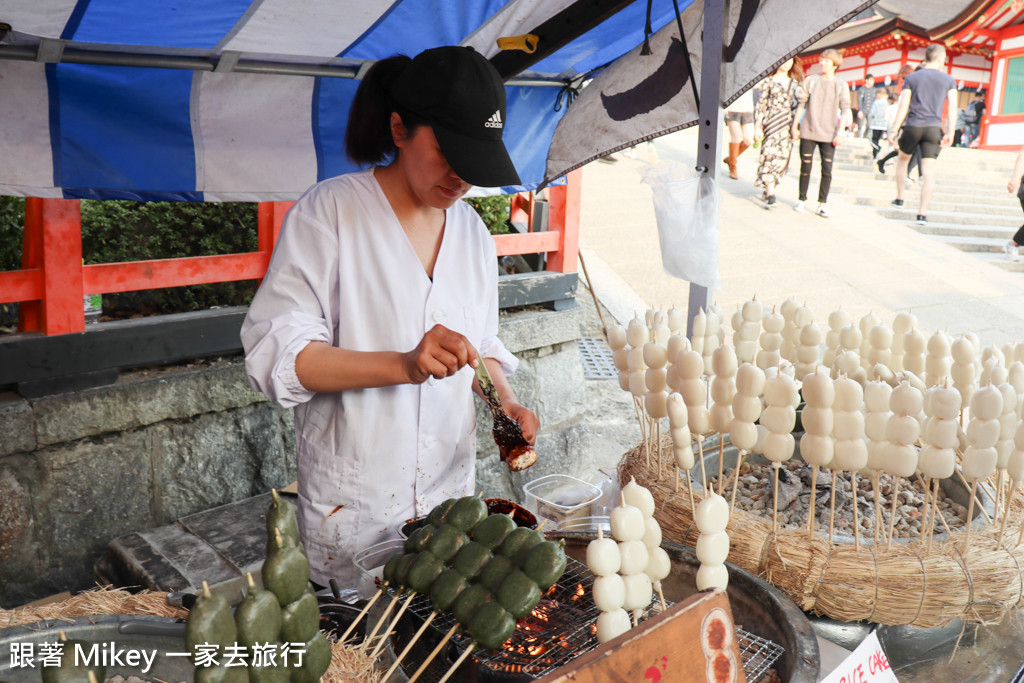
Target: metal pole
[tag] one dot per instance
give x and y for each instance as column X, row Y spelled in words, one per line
column 709, row 121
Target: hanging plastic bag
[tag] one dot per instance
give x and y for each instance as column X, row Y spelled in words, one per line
column 686, row 208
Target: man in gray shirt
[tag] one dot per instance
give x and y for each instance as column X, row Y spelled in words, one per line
column 919, row 113
column 865, row 98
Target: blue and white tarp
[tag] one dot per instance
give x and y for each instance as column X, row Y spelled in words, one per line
column 240, row 100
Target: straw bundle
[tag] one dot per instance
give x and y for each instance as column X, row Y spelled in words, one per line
column 904, row 584
column 348, row 665
column 101, row 600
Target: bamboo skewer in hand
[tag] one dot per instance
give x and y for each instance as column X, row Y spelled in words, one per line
column 779, row 418
column 817, row 446
column 979, row 460
column 851, row 452
column 723, row 388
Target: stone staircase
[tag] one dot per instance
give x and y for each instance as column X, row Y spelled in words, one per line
column 970, row 208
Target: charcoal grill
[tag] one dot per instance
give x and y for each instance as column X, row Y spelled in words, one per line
column 561, row 628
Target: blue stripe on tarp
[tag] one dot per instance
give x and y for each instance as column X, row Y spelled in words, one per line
column 75, row 19
column 167, row 23
column 411, row 26
column 125, row 129
column 53, row 104
column 160, row 196
column 332, row 98
column 529, row 127
column 609, row 40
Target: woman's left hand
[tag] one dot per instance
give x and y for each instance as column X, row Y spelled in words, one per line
column 525, row 417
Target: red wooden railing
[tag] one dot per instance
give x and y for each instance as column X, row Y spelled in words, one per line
column 52, row 281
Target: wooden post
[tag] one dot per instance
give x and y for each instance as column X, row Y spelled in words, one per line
column 60, row 259
column 565, row 201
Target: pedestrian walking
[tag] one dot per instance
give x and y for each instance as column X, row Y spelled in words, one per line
column 877, row 121
column 865, row 101
column 773, row 120
column 739, row 119
column 1014, row 186
column 920, row 117
column 821, row 116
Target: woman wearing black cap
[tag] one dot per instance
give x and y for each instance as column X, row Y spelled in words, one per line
column 382, row 287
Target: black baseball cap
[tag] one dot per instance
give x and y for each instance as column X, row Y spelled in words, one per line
column 461, row 95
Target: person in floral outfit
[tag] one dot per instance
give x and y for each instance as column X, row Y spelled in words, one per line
column 773, row 119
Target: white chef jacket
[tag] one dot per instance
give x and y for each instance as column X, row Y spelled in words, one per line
column 344, row 272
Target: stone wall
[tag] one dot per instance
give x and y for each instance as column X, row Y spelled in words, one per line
column 80, row 469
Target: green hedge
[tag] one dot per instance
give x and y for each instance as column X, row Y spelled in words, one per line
column 116, row 231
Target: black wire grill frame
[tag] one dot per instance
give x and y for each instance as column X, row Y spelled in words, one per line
column 563, row 643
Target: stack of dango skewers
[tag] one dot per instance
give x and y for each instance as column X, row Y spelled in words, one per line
column 703, row 372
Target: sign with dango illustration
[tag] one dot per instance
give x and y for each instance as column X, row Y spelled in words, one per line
column 667, row 648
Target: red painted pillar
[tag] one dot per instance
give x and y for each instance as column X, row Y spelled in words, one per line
column 565, row 201
column 30, row 312
column 59, row 221
column 270, row 217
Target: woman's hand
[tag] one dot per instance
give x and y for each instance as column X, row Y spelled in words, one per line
column 1013, row 185
column 796, row 131
column 441, row 353
column 525, row 417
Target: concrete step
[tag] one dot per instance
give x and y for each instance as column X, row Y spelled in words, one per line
column 970, row 208
column 977, row 245
column 981, row 159
column 909, row 211
column 886, row 190
column 964, row 232
column 945, row 173
column 999, row 259
column 942, row 204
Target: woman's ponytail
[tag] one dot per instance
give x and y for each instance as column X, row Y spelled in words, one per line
column 368, row 135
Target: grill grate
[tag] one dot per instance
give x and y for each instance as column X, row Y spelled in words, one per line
column 565, row 630
column 597, row 359
column 758, row 654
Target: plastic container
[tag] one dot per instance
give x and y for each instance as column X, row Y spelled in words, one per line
column 558, row 497
column 588, row 524
column 370, row 563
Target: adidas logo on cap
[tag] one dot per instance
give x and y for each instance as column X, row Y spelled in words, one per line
column 495, row 120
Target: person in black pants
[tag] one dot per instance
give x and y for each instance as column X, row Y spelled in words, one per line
column 1014, row 185
column 822, row 113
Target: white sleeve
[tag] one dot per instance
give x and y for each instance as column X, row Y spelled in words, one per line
column 296, row 304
